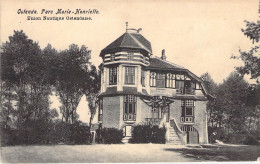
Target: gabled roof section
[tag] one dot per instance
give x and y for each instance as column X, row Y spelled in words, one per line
column 130, row 40
column 157, row 63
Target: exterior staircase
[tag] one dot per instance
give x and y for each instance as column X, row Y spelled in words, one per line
column 173, row 137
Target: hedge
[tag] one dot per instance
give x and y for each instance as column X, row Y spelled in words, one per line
column 148, row 134
column 42, row 132
column 109, row 135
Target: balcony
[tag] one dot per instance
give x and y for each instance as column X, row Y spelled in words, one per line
column 185, row 91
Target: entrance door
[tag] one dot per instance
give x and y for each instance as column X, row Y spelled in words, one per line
column 128, row 131
column 193, row 137
column 192, row 134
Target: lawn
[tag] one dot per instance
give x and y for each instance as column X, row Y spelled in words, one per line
column 220, row 152
column 100, row 153
column 92, row 153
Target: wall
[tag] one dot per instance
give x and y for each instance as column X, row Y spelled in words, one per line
column 112, row 112
column 201, row 121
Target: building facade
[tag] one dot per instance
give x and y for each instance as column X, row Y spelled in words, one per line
column 137, row 88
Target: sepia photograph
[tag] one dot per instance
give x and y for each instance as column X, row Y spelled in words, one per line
column 129, row 81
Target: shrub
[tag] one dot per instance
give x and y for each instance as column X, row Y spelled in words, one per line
column 79, row 133
column 109, row 136
column 148, row 134
column 42, row 132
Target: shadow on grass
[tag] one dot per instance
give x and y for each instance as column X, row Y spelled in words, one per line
column 220, row 152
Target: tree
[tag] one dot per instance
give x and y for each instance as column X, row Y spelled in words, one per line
column 211, row 88
column 23, row 73
column 92, row 88
column 71, row 73
column 250, row 58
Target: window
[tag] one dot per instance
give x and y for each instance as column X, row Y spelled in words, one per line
column 112, row 57
column 129, row 108
column 130, row 56
column 189, row 87
column 187, row 114
column 129, row 75
column 100, row 113
column 198, row 86
column 143, row 78
column 160, row 80
column 113, row 76
column 179, row 84
column 153, row 79
column 170, row 80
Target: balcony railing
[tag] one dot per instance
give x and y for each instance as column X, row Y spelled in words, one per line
column 153, row 121
column 185, row 91
column 129, row 117
column 187, row 119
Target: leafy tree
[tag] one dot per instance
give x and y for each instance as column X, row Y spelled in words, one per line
column 250, row 58
column 211, row 87
column 23, row 71
column 92, row 88
column 70, row 74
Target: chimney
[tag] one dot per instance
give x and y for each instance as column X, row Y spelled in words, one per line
column 163, row 57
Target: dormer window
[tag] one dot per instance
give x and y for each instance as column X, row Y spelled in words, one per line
column 130, row 56
column 112, row 57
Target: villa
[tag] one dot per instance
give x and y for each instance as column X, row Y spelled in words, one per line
column 138, row 88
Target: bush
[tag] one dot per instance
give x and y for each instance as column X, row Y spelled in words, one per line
column 42, row 132
column 109, row 135
column 148, row 134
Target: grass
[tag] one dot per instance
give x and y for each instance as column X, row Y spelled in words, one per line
column 221, row 152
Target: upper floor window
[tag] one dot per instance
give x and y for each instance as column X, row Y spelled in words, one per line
column 113, row 75
column 153, row 79
column 187, row 114
column 130, row 56
column 129, row 108
column 112, row 57
column 179, row 84
column 170, row 80
column 143, row 78
column 129, row 75
column 160, row 80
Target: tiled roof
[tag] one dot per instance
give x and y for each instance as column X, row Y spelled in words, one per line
column 130, row 40
column 157, row 63
column 126, row 90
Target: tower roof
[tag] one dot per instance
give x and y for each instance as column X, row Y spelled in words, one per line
column 129, row 40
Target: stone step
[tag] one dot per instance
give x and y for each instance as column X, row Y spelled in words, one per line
column 125, row 140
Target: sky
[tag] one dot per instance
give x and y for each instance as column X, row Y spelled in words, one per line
column 200, row 35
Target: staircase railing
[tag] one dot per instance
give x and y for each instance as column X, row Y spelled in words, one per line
column 182, row 135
